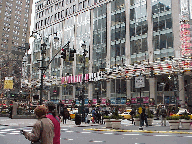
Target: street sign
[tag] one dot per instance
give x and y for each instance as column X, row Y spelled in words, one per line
column 139, row 100
column 8, row 83
column 139, row 82
column 140, row 110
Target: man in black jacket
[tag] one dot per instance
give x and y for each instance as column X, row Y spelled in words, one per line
column 143, row 118
column 132, row 113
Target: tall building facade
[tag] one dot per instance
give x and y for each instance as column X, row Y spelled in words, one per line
column 15, row 17
column 117, row 33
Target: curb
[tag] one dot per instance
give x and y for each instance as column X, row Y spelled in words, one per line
column 142, row 131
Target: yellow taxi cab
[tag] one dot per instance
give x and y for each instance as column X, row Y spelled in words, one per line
column 72, row 114
column 128, row 110
column 126, row 115
column 181, row 112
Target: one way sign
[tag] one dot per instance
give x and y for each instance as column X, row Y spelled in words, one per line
column 139, row 82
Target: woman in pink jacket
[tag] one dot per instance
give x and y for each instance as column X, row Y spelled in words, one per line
column 55, row 120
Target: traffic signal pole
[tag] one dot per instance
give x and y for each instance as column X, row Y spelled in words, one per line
column 43, row 68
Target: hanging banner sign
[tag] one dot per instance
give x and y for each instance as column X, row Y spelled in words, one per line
column 8, row 83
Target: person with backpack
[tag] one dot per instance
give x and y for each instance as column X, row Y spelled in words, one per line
column 55, row 120
column 163, row 114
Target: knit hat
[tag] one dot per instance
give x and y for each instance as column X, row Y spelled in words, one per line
column 40, row 110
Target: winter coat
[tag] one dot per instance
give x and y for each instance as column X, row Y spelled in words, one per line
column 47, row 134
column 57, row 129
column 65, row 113
column 163, row 113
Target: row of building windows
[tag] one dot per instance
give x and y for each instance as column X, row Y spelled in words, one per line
column 58, row 15
column 6, row 24
column 15, row 37
column 16, row 22
column 7, row 19
column 16, row 27
column 8, row 8
column 9, row 4
column 19, row 2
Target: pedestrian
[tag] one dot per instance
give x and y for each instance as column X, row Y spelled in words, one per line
column 65, row 115
column 157, row 113
column 60, row 107
column 10, row 111
column 93, row 115
column 88, row 118
column 55, row 119
column 163, row 114
column 43, row 129
column 143, row 118
column 132, row 113
column 99, row 117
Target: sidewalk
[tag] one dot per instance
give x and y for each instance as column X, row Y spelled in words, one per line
column 126, row 126
column 30, row 122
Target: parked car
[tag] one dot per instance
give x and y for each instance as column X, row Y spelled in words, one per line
column 126, row 115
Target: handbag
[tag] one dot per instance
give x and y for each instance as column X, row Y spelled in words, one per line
column 39, row 141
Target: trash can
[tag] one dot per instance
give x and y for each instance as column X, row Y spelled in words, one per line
column 77, row 119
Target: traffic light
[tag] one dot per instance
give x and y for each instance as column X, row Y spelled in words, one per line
column 80, row 98
column 90, row 101
column 73, row 102
column 128, row 102
column 99, row 101
column 63, row 54
column 71, row 55
column 151, row 73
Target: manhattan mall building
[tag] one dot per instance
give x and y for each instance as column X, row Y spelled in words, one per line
column 117, row 33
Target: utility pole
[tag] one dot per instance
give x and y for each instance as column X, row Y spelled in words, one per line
column 83, row 82
column 42, row 68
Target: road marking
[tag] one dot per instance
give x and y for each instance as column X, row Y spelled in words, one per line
column 67, row 139
column 96, row 141
column 163, row 135
column 64, row 129
column 28, row 130
column 8, row 129
column 14, row 133
column 131, row 134
column 187, row 136
column 107, row 133
column 2, row 132
column 69, row 131
column 85, row 132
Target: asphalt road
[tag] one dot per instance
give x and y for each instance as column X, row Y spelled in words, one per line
column 77, row 135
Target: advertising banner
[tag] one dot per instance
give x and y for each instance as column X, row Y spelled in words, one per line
column 94, row 101
column 123, row 100
column 103, row 101
column 86, row 101
column 8, row 83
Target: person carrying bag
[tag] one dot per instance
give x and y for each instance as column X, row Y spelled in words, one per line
column 43, row 129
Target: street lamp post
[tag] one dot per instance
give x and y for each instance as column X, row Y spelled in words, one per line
column 42, row 68
column 163, row 84
column 83, row 81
